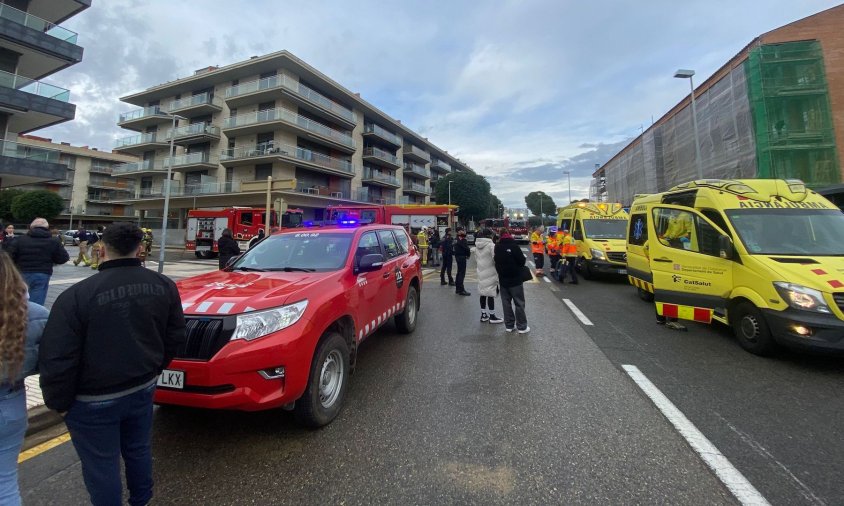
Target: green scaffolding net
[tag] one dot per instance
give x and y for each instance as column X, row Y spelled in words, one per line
column 792, row 117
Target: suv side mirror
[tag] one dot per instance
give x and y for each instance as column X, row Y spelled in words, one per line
column 725, row 245
column 371, row 262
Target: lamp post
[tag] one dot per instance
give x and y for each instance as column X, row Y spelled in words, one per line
column 450, row 224
column 541, row 213
column 687, row 74
column 568, row 173
column 167, row 194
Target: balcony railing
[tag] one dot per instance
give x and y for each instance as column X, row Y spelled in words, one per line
column 411, row 149
column 418, row 188
column 102, row 168
column 416, row 169
column 274, row 148
column 189, row 159
column 194, row 129
column 192, row 101
column 137, row 139
column 376, row 175
column 34, row 87
column 439, row 164
column 363, row 196
column 113, row 184
column 15, row 150
column 284, row 81
column 128, row 168
column 380, row 154
column 372, row 128
column 36, row 23
column 321, row 190
column 143, row 112
column 282, row 114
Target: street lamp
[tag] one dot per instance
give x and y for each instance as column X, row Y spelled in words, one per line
column 167, row 194
column 687, row 74
column 568, row 173
column 541, row 214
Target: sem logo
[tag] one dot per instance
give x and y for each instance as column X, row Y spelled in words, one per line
column 638, row 229
column 676, row 278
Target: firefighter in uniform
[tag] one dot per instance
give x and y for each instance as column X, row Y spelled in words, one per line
column 422, row 243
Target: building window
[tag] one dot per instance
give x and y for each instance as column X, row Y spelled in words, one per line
column 263, row 171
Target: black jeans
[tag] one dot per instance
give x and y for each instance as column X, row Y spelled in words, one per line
column 487, row 301
column 571, row 268
column 446, row 268
column 461, row 273
column 514, row 296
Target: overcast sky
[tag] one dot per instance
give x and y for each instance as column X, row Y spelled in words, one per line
column 521, row 90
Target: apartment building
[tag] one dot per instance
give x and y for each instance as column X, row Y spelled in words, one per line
column 775, row 110
column 33, row 46
column 89, row 187
column 231, row 127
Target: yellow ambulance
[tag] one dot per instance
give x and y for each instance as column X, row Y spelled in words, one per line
column 765, row 256
column 600, row 229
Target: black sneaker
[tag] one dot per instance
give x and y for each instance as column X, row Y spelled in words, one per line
column 484, row 317
column 465, row 293
column 443, row 283
column 495, row 319
column 451, row 283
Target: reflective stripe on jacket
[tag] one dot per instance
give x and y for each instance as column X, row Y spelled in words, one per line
column 536, row 245
column 569, row 246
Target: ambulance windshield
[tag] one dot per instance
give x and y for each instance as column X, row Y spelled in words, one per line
column 303, row 252
column 605, row 229
column 799, row 232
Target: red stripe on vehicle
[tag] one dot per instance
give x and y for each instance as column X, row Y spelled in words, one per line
column 835, row 283
column 670, row 310
column 703, row 315
column 819, row 272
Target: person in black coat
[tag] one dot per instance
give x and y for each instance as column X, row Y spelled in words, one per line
column 446, row 246
column 461, row 256
column 227, row 247
column 509, row 263
column 35, row 254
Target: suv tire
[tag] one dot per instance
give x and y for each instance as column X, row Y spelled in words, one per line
column 327, row 382
column 406, row 320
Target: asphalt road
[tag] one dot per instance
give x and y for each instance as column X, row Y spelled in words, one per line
column 461, row 412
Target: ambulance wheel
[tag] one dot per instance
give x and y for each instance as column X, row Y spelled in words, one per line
column 406, row 320
column 752, row 330
column 586, row 269
column 645, row 295
column 327, row 383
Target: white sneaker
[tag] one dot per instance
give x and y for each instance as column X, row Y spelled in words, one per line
column 524, row 330
column 508, row 329
column 495, row 319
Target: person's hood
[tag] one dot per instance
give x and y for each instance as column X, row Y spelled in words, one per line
column 481, row 243
column 40, row 232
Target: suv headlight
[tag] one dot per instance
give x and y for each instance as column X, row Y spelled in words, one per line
column 801, row 297
column 597, row 254
column 260, row 323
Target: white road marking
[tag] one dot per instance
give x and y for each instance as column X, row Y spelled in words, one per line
column 546, row 279
column 577, row 312
column 742, row 489
column 532, row 265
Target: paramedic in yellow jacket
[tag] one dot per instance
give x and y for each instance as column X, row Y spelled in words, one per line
column 422, row 243
column 537, row 247
column 679, row 230
column 553, row 245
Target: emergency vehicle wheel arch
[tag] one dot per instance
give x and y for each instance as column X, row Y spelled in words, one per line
column 744, row 293
column 328, row 382
column 751, row 329
column 407, row 319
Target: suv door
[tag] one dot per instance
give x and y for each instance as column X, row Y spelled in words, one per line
column 393, row 279
column 369, row 285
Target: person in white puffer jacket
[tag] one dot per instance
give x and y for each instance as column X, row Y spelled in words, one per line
column 487, row 275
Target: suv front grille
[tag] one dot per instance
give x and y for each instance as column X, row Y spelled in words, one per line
column 617, row 256
column 204, row 337
column 839, row 300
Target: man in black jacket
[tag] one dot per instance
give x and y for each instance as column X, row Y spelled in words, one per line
column 106, row 341
column 461, row 256
column 35, row 254
column 509, row 263
column 446, row 245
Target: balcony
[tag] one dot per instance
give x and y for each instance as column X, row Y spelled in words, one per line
column 134, row 168
column 137, row 144
column 22, row 164
column 140, row 119
column 157, row 192
column 193, row 134
column 376, row 177
column 413, row 153
column 101, row 168
column 115, row 184
column 363, row 195
column 34, row 104
column 195, row 105
column 259, row 121
column 414, row 170
column 439, row 165
column 107, row 196
column 285, row 86
column 380, row 157
column 416, row 189
column 275, row 152
column 44, row 47
column 191, row 161
column 321, row 191
column 374, row 131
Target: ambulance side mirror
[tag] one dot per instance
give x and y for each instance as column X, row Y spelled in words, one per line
column 725, row 245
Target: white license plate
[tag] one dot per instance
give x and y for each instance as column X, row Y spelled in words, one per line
column 203, row 248
column 172, row 379
column 622, row 271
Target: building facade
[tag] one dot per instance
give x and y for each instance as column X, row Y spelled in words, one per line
column 33, row 46
column 273, row 116
column 92, row 193
column 775, row 110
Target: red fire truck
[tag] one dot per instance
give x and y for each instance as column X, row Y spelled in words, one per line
column 416, row 216
column 205, row 226
column 518, row 228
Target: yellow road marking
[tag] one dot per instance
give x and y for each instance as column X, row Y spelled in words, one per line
column 43, row 447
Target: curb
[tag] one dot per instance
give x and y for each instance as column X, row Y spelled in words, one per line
column 41, row 418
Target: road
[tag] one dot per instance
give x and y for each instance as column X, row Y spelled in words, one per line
column 462, row 412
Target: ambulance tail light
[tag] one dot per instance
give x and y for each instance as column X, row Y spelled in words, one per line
column 802, row 297
column 260, row 323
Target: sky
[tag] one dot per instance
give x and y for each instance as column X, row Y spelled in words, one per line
column 523, row 91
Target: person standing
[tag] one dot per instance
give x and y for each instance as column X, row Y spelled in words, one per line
column 82, row 236
column 509, row 263
column 21, row 325
column 461, row 256
column 537, row 247
column 422, row 243
column 435, row 248
column 35, row 254
column 227, row 247
column 569, row 250
column 554, row 248
column 447, row 247
column 487, row 275
column 96, row 247
column 107, row 339
column 8, row 237
column 258, row 238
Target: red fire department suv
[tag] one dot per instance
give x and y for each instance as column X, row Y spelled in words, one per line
column 280, row 326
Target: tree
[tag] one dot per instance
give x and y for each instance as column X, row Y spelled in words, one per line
column 469, row 191
column 6, row 198
column 540, row 202
column 37, row 204
column 495, row 207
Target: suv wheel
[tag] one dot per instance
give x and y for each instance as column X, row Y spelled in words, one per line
column 406, row 320
column 752, row 330
column 327, row 383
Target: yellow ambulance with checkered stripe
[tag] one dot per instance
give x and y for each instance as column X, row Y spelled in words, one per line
column 599, row 230
column 765, row 256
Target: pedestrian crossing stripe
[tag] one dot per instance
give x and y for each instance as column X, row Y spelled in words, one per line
column 697, row 314
column 638, row 283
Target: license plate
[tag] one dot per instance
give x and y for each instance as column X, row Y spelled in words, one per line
column 203, row 248
column 172, row 379
column 622, row 271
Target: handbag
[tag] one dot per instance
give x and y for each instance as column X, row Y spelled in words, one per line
column 526, row 274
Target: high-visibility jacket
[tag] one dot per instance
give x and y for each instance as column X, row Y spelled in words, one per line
column 536, row 245
column 678, row 226
column 569, row 246
column 553, row 245
column 422, row 239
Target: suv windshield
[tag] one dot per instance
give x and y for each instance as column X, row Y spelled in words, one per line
column 304, row 251
column 801, row 232
column 605, row 229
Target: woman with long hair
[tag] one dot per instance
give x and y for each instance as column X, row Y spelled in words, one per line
column 21, row 325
